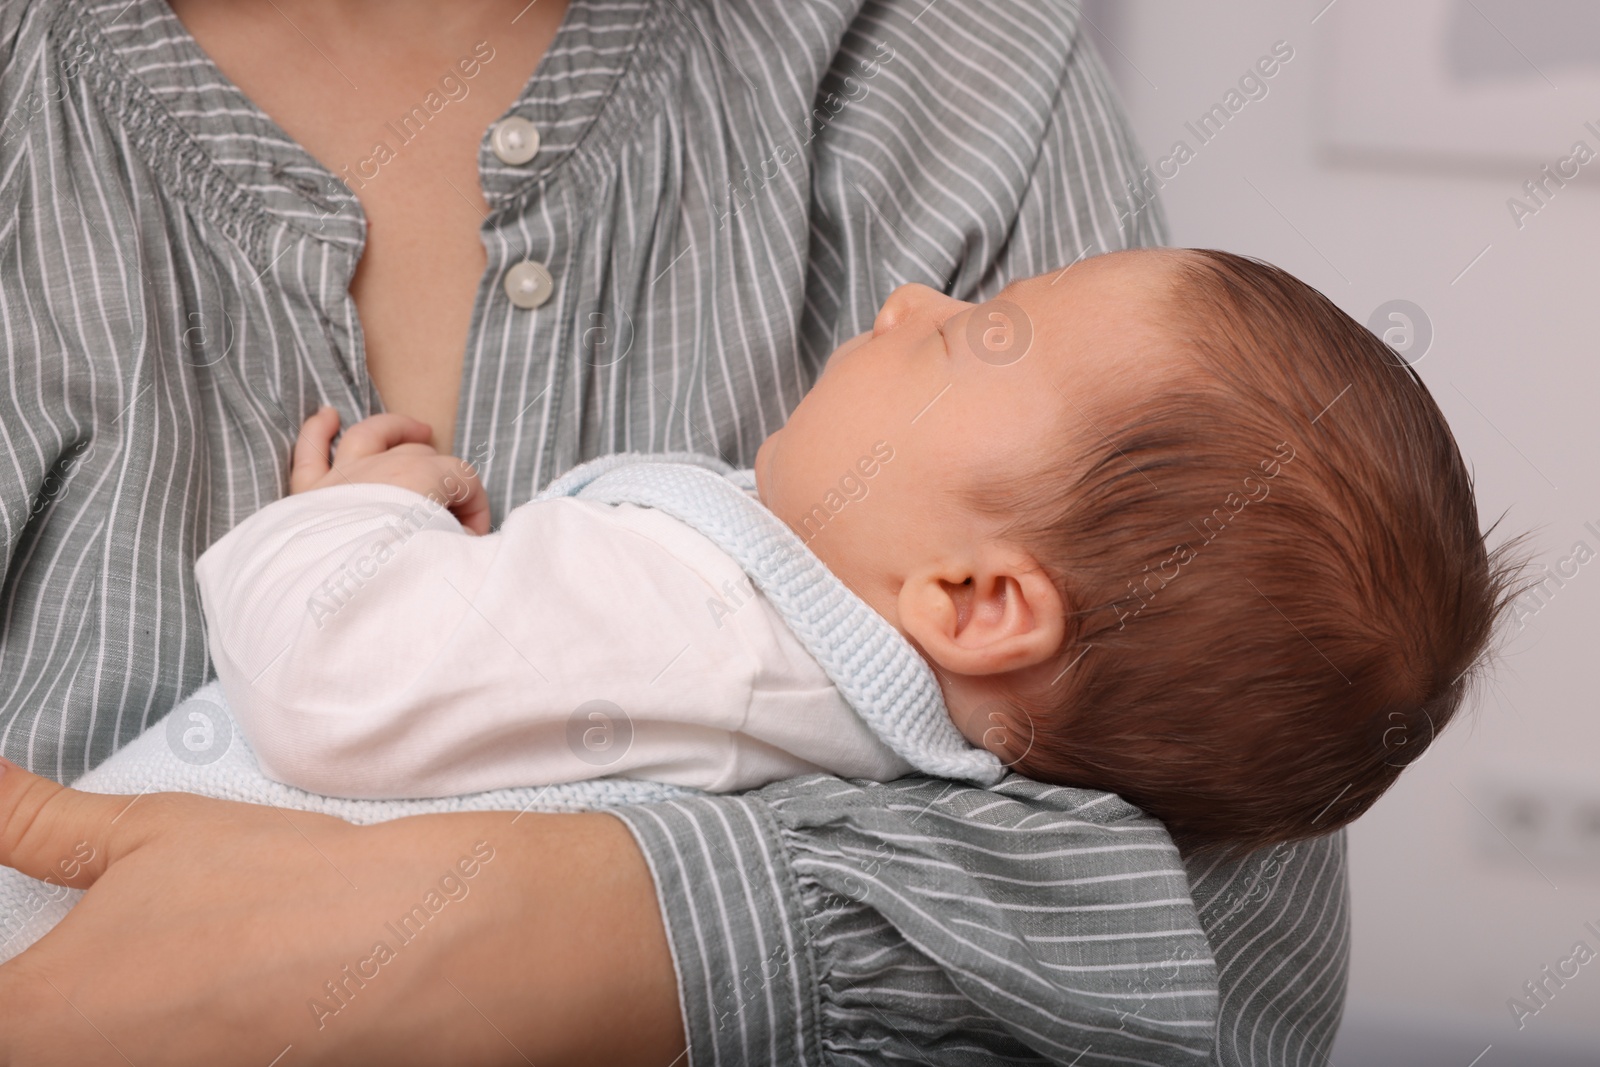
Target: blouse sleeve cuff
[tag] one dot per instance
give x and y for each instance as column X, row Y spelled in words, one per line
column 746, row 978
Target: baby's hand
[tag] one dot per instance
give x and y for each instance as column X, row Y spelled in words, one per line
column 392, row 450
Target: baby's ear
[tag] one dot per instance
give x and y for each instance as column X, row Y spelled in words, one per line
column 991, row 611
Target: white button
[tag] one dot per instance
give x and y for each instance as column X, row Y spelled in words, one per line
column 529, row 284
column 515, row 140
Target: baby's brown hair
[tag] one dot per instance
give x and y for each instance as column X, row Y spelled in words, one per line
column 1276, row 586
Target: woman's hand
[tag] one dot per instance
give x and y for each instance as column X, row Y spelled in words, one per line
column 220, row 933
column 393, row 450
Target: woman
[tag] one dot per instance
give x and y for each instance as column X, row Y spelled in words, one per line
column 220, row 216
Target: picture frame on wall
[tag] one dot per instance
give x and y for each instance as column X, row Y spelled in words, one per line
column 1489, row 84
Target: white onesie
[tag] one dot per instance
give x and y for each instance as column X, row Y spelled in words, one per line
column 370, row 647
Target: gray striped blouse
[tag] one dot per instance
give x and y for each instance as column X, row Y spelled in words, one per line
column 724, row 191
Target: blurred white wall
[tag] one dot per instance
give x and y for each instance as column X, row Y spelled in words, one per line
column 1482, row 866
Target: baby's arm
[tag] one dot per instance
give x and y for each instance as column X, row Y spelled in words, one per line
column 370, row 648
column 308, row 604
column 321, row 605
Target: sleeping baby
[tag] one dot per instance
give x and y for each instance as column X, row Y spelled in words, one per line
column 1167, row 523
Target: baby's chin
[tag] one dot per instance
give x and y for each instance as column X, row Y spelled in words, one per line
column 763, row 463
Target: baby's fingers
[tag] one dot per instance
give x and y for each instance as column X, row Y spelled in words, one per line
column 378, row 434
column 465, row 496
column 310, row 462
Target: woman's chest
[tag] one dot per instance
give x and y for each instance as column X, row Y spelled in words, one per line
column 682, row 312
column 399, row 116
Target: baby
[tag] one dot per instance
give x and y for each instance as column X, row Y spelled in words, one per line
column 1167, row 523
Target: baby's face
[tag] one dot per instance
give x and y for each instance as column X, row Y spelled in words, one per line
column 943, row 396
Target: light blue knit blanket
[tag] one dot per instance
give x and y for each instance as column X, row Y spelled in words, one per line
column 197, row 748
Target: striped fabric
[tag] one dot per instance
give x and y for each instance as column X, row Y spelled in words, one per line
column 1114, row 969
column 947, row 925
column 1282, row 992
column 726, row 190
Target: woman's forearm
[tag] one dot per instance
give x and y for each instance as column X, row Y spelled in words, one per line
column 571, row 945
column 216, row 932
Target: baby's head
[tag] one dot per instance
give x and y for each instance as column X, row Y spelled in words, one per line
column 1167, row 523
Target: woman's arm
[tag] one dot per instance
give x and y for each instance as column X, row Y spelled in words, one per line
column 244, row 933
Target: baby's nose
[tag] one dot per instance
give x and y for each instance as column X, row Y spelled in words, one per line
column 902, row 303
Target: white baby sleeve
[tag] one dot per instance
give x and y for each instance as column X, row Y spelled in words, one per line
column 370, row 647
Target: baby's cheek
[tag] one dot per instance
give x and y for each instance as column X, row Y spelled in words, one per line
column 841, row 354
